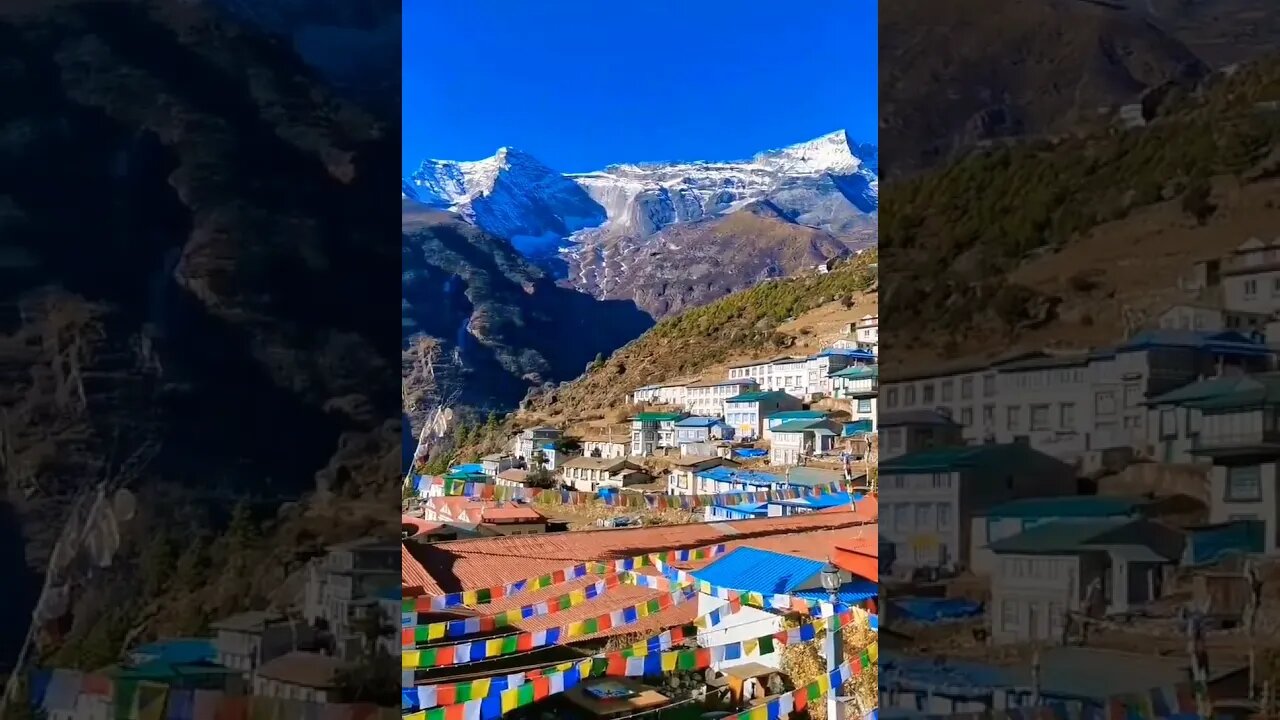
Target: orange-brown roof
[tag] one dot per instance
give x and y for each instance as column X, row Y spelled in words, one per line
column 485, row 562
column 511, row 513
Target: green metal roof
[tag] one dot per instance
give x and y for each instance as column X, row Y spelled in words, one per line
column 1226, row 393
column 797, row 415
column 756, row 396
column 1072, row 506
column 872, row 371
column 801, row 426
column 1056, row 537
column 657, row 417
column 949, row 459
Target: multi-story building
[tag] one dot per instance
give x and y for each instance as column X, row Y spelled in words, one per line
column 867, row 330
column 665, row 394
column 861, row 387
column 745, row 413
column 796, row 440
column 700, row 430
column 820, row 367
column 781, row 374
column 707, row 398
column 651, row 430
column 683, row 476
column 589, row 474
column 1250, row 277
column 1077, row 406
column 929, row 498
column 533, row 439
column 910, row 431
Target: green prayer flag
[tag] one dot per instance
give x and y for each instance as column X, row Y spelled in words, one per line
column 766, row 645
column 524, row 695
column 687, row 660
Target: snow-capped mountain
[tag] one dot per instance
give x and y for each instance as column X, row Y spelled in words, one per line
column 829, row 183
column 511, row 195
column 608, row 232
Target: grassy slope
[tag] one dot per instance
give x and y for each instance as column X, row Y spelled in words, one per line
column 954, row 235
column 745, row 324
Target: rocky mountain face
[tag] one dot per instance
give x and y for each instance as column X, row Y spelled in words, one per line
column 974, row 71
column 668, row 235
column 504, row 325
column 200, row 320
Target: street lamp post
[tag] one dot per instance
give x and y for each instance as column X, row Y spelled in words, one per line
column 834, row 646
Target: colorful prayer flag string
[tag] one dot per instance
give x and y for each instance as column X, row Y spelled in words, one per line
column 652, row 501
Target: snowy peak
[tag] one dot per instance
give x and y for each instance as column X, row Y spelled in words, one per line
column 831, row 153
column 828, row 182
column 510, row 194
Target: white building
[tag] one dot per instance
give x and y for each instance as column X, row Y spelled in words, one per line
column 1207, row 317
column 912, row 431
column 867, row 330
column 532, row 439
column 305, row 676
column 346, row 574
column 588, row 474
column 653, row 430
column 707, row 397
column 746, row 413
column 929, row 498
column 820, row 367
column 497, row 462
column 796, row 440
column 861, row 387
column 664, row 394
column 1107, row 566
column 606, row 447
column 781, row 374
column 248, row 640
column 682, row 478
column 1250, row 277
column 1076, row 406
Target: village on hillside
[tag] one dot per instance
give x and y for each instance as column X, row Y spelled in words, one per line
column 1048, row 512
column 713, row 553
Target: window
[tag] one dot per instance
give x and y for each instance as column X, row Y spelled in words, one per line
column 966, row 416
column 1250, row 288
column 941, row 481
column 909, row 396
column 988, row 385
column 1013, row 420
column 1244, row 484
column 1039, row 417
column 893, row 439
column 1057, row 617
column 1168, row 423
column 944, row 516
column 1067, row 416
column 988, row 415
column 1132, row 395
column 1008, row 615
column 926, row 393
column 966, row 388
column 1105, row 403
column 902, row 517
column 864, row 405
column 924, row 516
column 1133, row 421
column 1275, row 286
column 948, row 390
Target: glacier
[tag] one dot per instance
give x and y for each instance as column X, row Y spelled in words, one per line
column 829, row 182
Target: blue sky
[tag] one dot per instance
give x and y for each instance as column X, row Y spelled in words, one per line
column 584, row 83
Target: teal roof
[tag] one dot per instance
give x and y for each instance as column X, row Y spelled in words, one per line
column 1227, row 393
column 1055, row 537
column 1071, row 506
column 819, row 426
column 797, row 415
column 756, row 396
column 966, row 456
column 871, row 371
column 657, row 417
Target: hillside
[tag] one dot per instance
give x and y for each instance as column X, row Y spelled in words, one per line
column 691, row 264
column 1017, row 243
column 965, row 72
column 776, row 317
column 504, row 324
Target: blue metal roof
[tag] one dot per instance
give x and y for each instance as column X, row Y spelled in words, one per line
column 746, row 477
column 698, row 422
column 752, row 570
column 468, row 468
column 820, row 502
column 1227, row 343
column 850, row 593
column 849, row 352
column 179, row 651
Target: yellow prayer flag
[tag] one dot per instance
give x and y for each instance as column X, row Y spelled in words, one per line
column 435, row 631
column 574, row 629
column 509, row 699
column 873, row 652
column 480, row 688
column 577, row 597
column 668, row 661
column 409, row 659
column 420, row 715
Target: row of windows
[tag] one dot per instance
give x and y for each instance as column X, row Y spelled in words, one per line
column 946, row 390
column 936, row 481
column 1033, row 569
column 1244, row 484
column 1011, row 616
column 919, row 517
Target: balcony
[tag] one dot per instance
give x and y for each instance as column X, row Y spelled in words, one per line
column 1248, row 443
